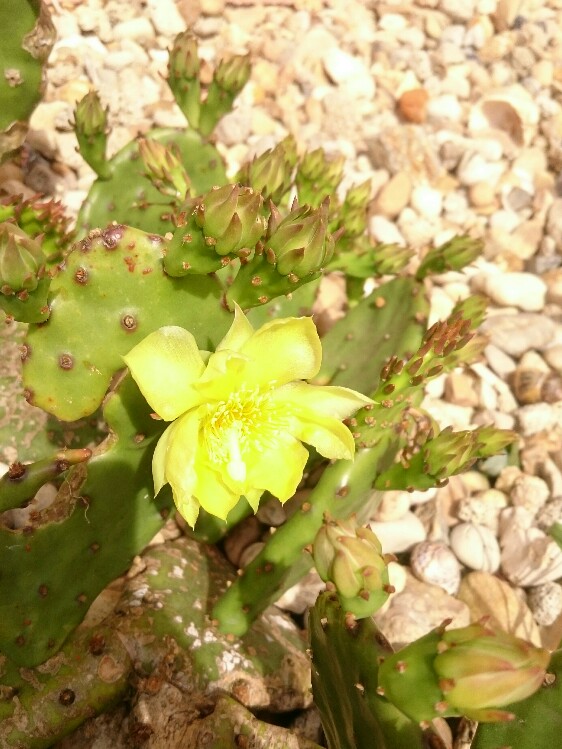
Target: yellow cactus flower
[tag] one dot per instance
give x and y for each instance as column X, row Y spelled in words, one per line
column 239, row 415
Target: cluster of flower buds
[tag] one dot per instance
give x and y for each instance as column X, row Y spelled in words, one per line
column 225, row 223
column 473, row 671
column 350, row 559
column 295, row 250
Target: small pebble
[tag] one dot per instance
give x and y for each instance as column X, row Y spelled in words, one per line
column 476, row 546
column 434, row 562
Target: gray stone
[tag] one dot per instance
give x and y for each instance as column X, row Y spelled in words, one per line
column 515, row 334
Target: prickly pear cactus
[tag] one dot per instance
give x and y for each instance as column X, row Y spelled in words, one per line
column 26, row 38
column 111, row 292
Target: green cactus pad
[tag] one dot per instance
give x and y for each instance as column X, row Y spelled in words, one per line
column 388, row 321
column 28, row 433
column 130, row 196
column 26, row 38
column 41, row 705
column 111, row 293
column 104, row 514
column 345, row 665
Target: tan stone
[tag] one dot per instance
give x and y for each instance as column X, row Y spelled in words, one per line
column 418, row 609
column 487, row 595
column 459, row 389
column 481, row 194
column 394, row 196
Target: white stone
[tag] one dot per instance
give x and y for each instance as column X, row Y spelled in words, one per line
column 529, row 556
column 539, row 417
column 523, row 290
column 475, row 168
column 165, row 16
column 530, row 492
column 445, row 107
column 139, row 29
column 427, row 201
column 511, row 110
column 545, row 601
column 399, row 535
column 345, row 69
column 434, row 562
column 448, row 414
column 515, row 334
column 476, row 546
column 385, row 231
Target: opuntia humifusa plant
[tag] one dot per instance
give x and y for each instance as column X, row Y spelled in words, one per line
column 176, row 336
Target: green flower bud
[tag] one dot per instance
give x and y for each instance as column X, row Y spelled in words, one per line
column 164, row 168
column 183, row 76
column 300, row 243
column 271, row 172
column 358, row 196
column 90, row 117
column 22, row 264
column 90, row 126
column 351, row 559
column 472, row 671
column 232, row 216
column 453, row 255
column 318, row 176
column 233, row 73
column 184, row 60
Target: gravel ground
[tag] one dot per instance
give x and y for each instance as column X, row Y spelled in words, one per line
column 454, row 111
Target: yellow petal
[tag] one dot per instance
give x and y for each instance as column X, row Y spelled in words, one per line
column 277, row 470
column 187, row 506
column 282, row 351
column 159, row 459
column 225, row 373
column 326, row 400
column 164, row 365
column 329, row 436
column 181, row 454
column 212, row 493
column 253, row 496
column 240, row 331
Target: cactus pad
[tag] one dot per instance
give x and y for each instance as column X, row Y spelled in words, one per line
column 111, row 293
column 128, row 195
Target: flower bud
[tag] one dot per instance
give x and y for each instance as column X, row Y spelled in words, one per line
column 351, row 559
column 233, row 73
column 183, row 76
column 90, row 126
column 164, row 168
column 318, row 176
column 270, row 173
column 90, row 117
column 184, row 60
column 300, row 242
column 480, row 667
column 22, row 264
column 359, row 195
column 472, row 671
